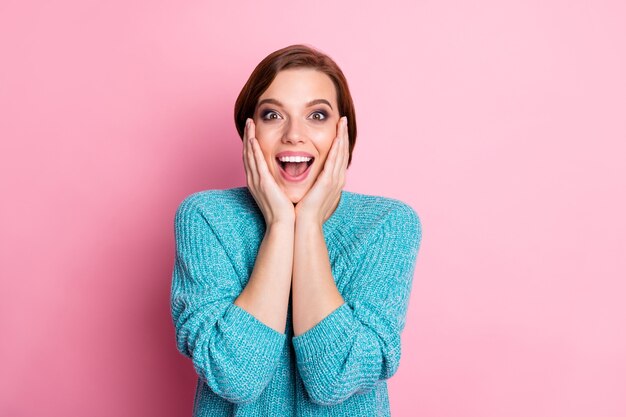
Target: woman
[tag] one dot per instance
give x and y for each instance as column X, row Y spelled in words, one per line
column 290, row 294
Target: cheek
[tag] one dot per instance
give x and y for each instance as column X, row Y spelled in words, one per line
column 266, row 135
column 264, row 139
column 325, row 142
column 267, row 155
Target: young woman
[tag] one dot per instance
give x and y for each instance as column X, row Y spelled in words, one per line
column 290, row 294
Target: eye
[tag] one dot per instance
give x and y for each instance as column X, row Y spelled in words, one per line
column 269, row 115
column 318, row 115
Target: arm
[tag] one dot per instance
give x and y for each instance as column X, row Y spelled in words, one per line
column 358, row 343
column 315, row 294
column 266, row 296
column 233, row 351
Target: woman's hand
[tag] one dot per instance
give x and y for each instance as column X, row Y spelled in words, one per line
column 320, row 201
column 273, row 202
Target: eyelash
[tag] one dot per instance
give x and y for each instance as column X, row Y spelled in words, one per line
column 322, row 113
column 266, row 113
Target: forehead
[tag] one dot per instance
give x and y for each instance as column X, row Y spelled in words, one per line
column 296, row 86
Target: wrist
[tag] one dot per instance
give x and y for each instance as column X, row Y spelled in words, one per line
column 309, row 223
column 304, row 217
column 286, row 225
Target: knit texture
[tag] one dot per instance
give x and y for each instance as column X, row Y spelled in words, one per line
column 337, row 368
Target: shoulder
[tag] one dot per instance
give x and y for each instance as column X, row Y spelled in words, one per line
column 217, row 205
column 374, row 209
column 384, row 215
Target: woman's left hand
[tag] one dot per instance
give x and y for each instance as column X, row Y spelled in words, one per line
column 320, row 201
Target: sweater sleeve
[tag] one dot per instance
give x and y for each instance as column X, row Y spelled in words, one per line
column 358, row 344
column 231, row 350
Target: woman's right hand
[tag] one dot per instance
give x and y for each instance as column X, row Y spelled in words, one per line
column 273, row 202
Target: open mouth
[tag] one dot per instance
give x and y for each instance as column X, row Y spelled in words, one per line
column 295, row 171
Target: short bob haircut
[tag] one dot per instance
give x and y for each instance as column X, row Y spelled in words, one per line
column 294, row 56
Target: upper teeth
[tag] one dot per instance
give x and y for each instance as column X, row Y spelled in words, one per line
column 294, row 159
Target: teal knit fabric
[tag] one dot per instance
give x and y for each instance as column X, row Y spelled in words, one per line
column 337, row 368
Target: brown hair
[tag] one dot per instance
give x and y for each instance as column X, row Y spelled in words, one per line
column 294, row 56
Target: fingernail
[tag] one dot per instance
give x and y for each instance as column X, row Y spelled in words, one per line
column 345, row 120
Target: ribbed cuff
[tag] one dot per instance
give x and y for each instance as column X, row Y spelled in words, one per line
column 250, row 332
column 335, row 329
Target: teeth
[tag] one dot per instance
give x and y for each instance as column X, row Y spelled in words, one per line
column 294, row 159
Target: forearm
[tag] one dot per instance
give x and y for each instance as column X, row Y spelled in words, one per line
column 314, row 292
column 266, row 296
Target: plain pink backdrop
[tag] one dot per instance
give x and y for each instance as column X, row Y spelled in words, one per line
column 503, row 123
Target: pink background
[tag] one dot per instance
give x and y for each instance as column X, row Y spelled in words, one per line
column 502, row 123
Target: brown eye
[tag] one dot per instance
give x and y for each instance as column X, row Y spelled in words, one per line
column 318, row 115
column 270, row 115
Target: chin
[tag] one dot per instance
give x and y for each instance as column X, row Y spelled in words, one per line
column 295, row 195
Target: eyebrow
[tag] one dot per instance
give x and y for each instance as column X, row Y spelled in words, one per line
column 309, row 104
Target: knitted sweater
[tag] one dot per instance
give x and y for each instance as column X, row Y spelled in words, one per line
column 337, row 368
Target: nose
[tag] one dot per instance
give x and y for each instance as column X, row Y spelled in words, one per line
column 293, row 132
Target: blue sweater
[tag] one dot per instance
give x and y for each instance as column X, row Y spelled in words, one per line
column 336, row 368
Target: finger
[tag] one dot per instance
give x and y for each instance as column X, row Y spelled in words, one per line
column 334, row 150
column 250, row 153
column 329, row 164
column 260, row 163
column 346, row 146
column 246, row 157
column 345, row 155
column 244, row 152
column 342, row 148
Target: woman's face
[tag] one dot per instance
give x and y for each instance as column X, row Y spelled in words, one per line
column 297, row 116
